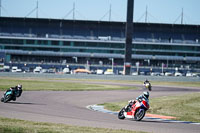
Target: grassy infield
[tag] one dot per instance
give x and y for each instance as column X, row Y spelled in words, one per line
column 21, row 126
column 183, row 107
column 55, row 85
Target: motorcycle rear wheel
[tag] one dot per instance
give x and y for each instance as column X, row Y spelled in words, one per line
column 139, row 114
column 121, row 114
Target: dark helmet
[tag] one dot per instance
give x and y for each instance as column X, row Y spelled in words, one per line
column 19, row 86
column 146, row 94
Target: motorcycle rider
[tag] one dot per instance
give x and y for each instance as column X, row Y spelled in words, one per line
column 16, row 91
column 144, row 96
column 147, row 85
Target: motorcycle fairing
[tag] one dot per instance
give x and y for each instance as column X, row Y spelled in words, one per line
column 8, row 93
column 132, row 112
column 145, row 104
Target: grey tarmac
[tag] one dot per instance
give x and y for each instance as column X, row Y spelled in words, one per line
column 69, row 107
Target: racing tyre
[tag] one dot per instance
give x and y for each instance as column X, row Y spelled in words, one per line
column 139, row 114
column 2, row 99
column 7, row 98
column 121, row 114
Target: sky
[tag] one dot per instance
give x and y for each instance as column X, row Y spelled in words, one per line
column 158, row 11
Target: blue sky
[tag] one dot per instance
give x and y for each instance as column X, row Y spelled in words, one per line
column 159, row 11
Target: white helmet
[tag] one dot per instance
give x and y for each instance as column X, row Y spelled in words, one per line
column 19, row 86
column 146, row 94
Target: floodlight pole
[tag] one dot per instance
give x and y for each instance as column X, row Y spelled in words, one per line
column 146, row 14
column 129, row 33
column 37, row 9
column 110, row 13
column 74, row 11
column 0, row 8
column 182, row 16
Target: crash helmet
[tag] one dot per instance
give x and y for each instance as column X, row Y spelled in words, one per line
column 19, row 86
column 147, row 85
column 146, row 94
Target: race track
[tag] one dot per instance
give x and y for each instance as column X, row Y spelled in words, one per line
column 69, row 107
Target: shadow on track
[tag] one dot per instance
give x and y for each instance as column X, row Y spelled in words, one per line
column 157, row 121
column 27, row 103
column 153, row 121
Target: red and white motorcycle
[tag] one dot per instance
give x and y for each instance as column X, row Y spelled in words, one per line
column 136, row 111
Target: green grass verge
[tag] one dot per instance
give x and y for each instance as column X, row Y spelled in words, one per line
column 62, row 84
column 184, row 107
column 20, row 126
column 179, row 84
column 158, row 83
column 55, row 85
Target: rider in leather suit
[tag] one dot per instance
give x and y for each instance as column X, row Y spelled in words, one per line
column 16, row 91
column 145, row 95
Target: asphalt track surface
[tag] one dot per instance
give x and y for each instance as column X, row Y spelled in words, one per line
column 69, row 107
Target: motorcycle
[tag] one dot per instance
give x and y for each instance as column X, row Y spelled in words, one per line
column 136, row 111
column 148, row 86
column 8, row 96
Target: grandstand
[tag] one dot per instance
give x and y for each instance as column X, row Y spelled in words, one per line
column 60, row 42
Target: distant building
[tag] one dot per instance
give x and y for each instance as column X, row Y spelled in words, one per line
column 31, row 40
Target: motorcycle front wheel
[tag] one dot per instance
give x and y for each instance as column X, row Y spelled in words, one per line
column 2, row 99
column 7, row 98
column 121, row 114
column 139, row 114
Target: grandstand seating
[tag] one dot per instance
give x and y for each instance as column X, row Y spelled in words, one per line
column 29, row 27
column 97, row 40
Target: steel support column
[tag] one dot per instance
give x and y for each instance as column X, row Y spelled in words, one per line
column 129, row 33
